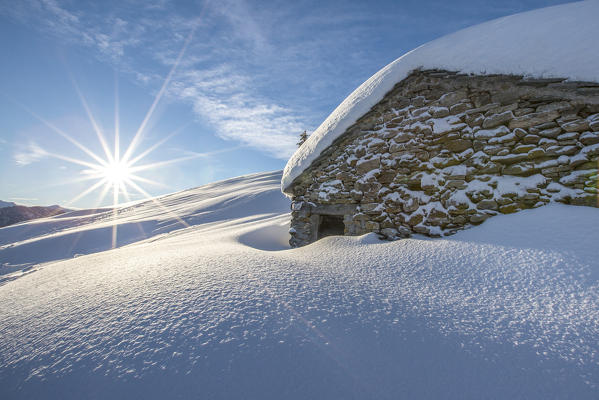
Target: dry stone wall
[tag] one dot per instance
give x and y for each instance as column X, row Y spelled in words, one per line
column 443, row 151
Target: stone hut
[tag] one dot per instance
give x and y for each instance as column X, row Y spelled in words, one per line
column 437, row 150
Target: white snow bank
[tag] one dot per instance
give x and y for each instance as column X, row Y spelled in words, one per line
column 269, row 234
column 559, row 41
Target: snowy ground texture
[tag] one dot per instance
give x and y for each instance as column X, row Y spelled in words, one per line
column 559, row 41
column 223, row 309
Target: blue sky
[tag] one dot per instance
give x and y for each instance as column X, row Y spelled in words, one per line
column 249, row 77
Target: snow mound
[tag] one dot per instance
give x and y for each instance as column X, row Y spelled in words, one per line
column 270, row 234
column 559, row 41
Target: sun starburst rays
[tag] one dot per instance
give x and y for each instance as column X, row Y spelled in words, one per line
column 92, row 120
column 117, row 171
column 115, row 174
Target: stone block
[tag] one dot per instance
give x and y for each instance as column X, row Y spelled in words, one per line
column 517, row 170
column 345, row 176
column 451, row 98
column 556, row 106
column 387, row 176
column 459, row 108
column 478, row 218
column 474, row 120
column 439, row 112
column 356, row 195
column 458, row 145
column 589, row 138
column 524, row 148
column 579, row 125
column 509, row 159
column 509, row 208
column 497, row 119
column 528, row 120
column 402, row 137
column 547, row 142
column 370, row 208
column 551, row 132
column 456, row 183
column 562, row 150
column 536, row 153
column 568, row 136
column 411, row 205
column 547, row 125
column 390, row 233
column 372, row 226
column 490, row 168
column 369, row 186
column 523, row 111
column 364, row 166
column 487, row 205
column 415, row 219
column 530, row 139
column 423, row 230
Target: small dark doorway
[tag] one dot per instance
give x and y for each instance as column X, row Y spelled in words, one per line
column 331, row 225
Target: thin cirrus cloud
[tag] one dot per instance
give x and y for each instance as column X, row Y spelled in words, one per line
column 213, row 76
column 23, row 198
column 31, row 153
column 258, row 72
column 222, row 97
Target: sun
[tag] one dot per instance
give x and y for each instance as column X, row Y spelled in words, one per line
column 116, row 172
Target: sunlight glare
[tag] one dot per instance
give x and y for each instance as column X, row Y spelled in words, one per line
column 116, row 172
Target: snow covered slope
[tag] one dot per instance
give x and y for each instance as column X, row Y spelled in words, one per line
column 88, row 231
column 506, row 310
column 6, row 204
column 559, row 41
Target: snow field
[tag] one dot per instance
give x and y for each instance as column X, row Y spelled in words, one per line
column 26, row 245
column 509, row 309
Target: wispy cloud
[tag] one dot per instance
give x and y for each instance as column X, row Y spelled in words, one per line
column 208, row 154
column 23, row 198
column 31, row 153
column 245, row 26
column 225, row 96
column 247, row 72
column 225, row 99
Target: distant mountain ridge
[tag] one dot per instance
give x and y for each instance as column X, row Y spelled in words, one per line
column 6, row 204
column 10, row 213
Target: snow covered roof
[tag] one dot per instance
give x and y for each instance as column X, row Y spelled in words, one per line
column 559, row 41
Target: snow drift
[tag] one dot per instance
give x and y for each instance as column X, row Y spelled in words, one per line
column 559, row 41
column 76, row 233
column 509, row 309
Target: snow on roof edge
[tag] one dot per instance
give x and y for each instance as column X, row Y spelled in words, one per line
column 557, row 41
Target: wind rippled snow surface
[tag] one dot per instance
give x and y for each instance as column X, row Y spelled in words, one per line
column 509, row 309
